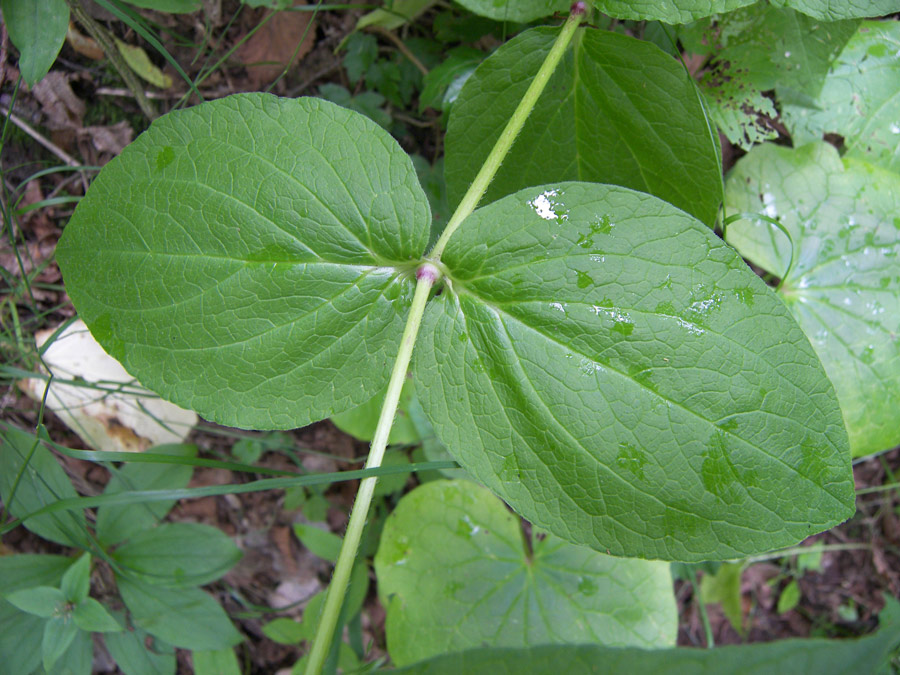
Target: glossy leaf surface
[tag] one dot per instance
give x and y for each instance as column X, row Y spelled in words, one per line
column 38, row 29
column 860, row 99
column 844, row 286
column 245, row 258
column 515, row 10
column 616, row 110
column 828, row 657
column 454, row 573
column 615, row 372
column 671, row 11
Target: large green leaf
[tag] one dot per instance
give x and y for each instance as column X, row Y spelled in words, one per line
column 178, row 554
column 844, row 286
column 120, row 521
column 38, row 29
column 860, row 99
column 183, row 617
column 249, row 258
column 455, row 572
column 617, row 110
column 42, row 482
column 824, row 657
column 760, row 48
column 835, row 10
column 670, row 11
column 617, row 374
column 515, row 10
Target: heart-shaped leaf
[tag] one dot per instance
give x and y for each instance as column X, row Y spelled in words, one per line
column 616, row 110
column 455, row 571
column 617, row 374
column 844, row 285
column 860, row 99
column 249, row 258
column 515, row 10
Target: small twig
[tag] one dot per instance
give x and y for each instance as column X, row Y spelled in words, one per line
column 402, row 47
column 412, row 121
column 104, row 39
column 65, row 183
column 303, row 86
column 52, row 147
column 122, row 91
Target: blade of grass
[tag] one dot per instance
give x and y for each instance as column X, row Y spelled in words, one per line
column 139, row 497
column 134, row 22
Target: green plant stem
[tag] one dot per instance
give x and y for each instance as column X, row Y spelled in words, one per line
column 426, row 276
column 96, row 31
column 704, row 616
column 508, row 136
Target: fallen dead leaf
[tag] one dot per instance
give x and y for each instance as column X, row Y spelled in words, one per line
column 99, row 144
column 31, row 256
column 64, row 110
column 273, row 46
column 84, row 45
column 37, row 220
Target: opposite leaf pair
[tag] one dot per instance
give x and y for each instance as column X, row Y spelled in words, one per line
column 597, row 357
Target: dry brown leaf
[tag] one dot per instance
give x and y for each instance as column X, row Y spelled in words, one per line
column 270, row 48
column 64, row 110
column 84, row 45
column 99, row 144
